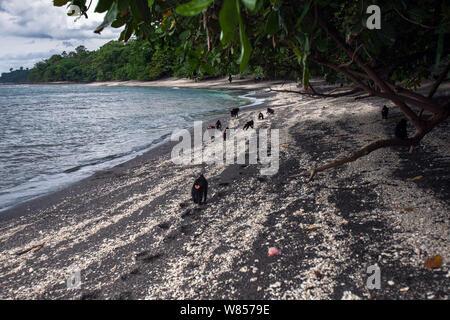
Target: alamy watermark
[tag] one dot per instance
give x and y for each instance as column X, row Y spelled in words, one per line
column 374, row 279
column 228, row 147
column 74, row 279
column 374, row 21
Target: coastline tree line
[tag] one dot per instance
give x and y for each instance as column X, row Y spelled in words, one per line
column 116, row 60
column 15, row 76
column 312, row 37
column 136, row 59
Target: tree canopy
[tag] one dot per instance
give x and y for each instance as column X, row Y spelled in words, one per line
column 15, row 76
column 116, row 60
column 303, row 38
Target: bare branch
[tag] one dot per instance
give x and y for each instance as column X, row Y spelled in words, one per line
column 363, row 152
column 411, row 142
column 35, row 247
column 316, row 94
column 353, row 57
column 412, row 21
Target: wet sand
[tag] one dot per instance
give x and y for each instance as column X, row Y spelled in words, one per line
column 135, row 234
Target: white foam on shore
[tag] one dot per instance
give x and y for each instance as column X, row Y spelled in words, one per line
column 254, row 101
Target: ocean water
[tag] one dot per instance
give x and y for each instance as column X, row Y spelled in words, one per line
column 54, row 135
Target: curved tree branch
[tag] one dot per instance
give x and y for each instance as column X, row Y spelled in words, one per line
column 363, row 152
column 411, row 142
column 316, row 94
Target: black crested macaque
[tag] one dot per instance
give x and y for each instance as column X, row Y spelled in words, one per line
column 260, row 116
column 234, row 112
column 400, row 130
column 218, row 125
column 270, row 111
column 249, row 124
column 200, row 190
column 230, row 78
column 384, row 112
column 225, row 134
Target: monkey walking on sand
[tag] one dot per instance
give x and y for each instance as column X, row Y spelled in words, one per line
column 384, row 112
column 200, row 190
column 225, row 134
column 249, row 124
column 234, row 112
column 400, row 130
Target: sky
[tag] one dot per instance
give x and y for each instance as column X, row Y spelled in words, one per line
column 33, row 30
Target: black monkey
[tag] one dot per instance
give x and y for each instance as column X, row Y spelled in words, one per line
column 400, row 130
column 260, row 116
column 225, row 133
column 230, row 78
column 218, row 125
column 384, row 112
column 200, row 190
column 234, row 112
column 249, row 124
column 270, row 111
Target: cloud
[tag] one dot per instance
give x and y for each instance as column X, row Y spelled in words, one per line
column 67, row 43
column 31, row 28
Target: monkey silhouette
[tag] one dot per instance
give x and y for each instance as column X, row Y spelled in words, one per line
column 200, row 190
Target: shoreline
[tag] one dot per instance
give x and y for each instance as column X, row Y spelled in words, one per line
column 135, row 234
column 21, row 209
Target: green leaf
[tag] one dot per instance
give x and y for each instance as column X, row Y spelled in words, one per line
column 103, row 5
column 60, row 3
column 185, row 34
column 118, row 23
column 297, row 54
column 123, row 5
column 272, row 23
column 440, row 46
column 305, row 76
column 109, row 17
column 304, row 12
column 246, row 47
column 228, row 19
column 259, row 4
column 126, row 33
column 250, row 4
column 322, row 45
column 306, row 48
column 193, row 7
column 150, row 3
column 306, row 52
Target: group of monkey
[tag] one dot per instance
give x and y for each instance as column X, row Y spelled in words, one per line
column 234, row 114
column 200, row 187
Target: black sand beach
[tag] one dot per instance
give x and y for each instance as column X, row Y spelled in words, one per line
column 135, row 234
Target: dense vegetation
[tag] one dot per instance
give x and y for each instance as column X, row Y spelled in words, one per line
column 138, row 60
column 115, row 60
column 15, row 76
column 324, row 37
